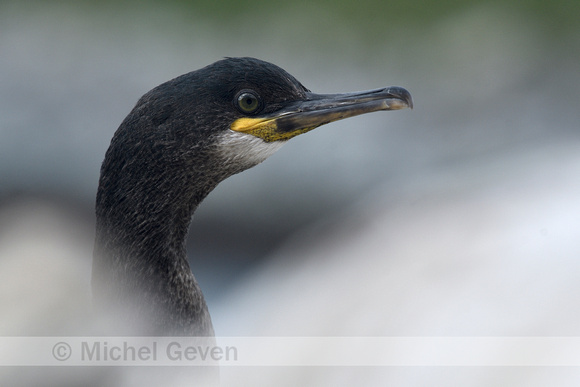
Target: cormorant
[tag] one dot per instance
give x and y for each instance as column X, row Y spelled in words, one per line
column 180, row 140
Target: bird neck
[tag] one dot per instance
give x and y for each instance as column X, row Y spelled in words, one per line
column 151, row 184
column 141, row 276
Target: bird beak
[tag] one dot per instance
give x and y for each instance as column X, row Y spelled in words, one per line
column 318, row 109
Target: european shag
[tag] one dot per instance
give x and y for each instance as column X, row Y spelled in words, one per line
column 179, row 141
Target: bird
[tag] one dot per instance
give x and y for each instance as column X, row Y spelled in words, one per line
column 176, row 145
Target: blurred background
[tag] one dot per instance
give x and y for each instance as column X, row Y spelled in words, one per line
column 460, row 217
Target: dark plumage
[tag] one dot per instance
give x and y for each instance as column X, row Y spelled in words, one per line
column 182, row 139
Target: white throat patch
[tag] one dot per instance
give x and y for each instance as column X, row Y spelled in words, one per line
column 245, row 149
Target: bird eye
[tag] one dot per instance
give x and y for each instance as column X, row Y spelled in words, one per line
column 248, row 102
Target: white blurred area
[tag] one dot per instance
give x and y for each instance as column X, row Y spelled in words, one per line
column 44, row 269
column 479, row 250
column 459, row 218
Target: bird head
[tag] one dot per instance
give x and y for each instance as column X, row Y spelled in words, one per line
column 238, row 111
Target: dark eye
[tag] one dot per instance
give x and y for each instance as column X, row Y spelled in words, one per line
column 248, row 102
